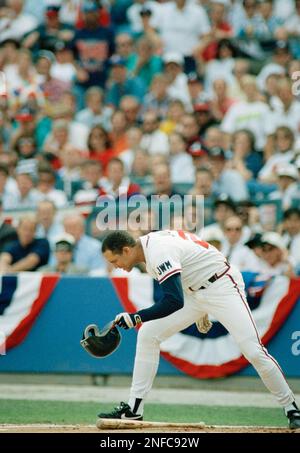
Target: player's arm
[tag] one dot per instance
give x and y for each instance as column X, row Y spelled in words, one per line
column 172, row 301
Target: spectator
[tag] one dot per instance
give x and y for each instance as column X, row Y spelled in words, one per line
column 287, row 180
column 118, row 134
column 284, row 140
column 48, row 226
column 130, row 105
column 144, row 64
column 27, row 196
column 173, row 117
column 122, row 84
column 213, row 137
column 233, row 248
column 154, row 140
column 64, row 68
column 7, row 232
column 292, row 27
column 246, row 160
column 177, row 79
column 275, row 256
column 124, row 46
column 250, row 115
column 46, row 187
column 223, row 208
column 291, row 233
column 162, row 181
column 189, row 129
column 196, row 89
column 63, row 251
column 204, row 118
column 157, row 98
column 99, row 146
column 140, row 170
column 50, row 32
column 15, row 22
column 199, row 154
column 134, row 137
column 26, row 253
column 94, row 113
column 87, row 250
column 134, row 16
column 181, row 164
column 94, row 44
column 8, row 187
column 118, row 184
column 91, row 175
column 220, row 102
column 69, row 173
column 226, row 180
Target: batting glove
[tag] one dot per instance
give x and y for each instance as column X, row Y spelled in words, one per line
column 127, row 320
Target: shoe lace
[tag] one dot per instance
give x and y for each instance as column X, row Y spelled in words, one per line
column 117, row 409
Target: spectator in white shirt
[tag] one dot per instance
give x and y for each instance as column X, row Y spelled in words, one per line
column 27, row 196
column 287, row 180
column 16, row 23
column 275, row 256
column 178, row 81
column 47, row 224
column 181, row 24
column 95, row 112
column 250, row 115
column 181, row 163
column 154, row 140
column 46, row 187
column 291, row 235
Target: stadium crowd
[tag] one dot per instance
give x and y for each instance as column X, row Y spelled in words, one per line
column 124, row 97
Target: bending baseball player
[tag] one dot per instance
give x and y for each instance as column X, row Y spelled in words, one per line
column 196, row 280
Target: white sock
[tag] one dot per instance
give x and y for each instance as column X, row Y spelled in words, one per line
column 291, row 407
column 137, row 405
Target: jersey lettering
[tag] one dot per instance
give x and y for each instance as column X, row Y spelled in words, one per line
column 163, row 267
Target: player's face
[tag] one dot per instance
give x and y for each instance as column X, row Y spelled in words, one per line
column 123, row 261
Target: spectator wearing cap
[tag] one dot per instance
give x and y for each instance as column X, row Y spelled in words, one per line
column 154, row 140
column 15, row 22
column 234, row 249
column 245, row 159
column 226, row 179
column 87, row 250
column 204, row 117
column 283, row 153
column 214, row 237
column 199, row 153
column 148, row 31
column 64, row 68
column 276, row 260
column 63, row 252
column 94, row 44
column 291, row 233
column 144, row 63
column 49, row 32
column 181, row 25
column 27, row 196
column 196, row 89
column 26, row 253
column 287, row 181
column 146, row 7
column 181, row 163
column 122, row 84
column 48, row 225
column 52, row 88
column 173, row 69
column 250, row 114
column 95, row 112
column 7, row 232
column 281, row 57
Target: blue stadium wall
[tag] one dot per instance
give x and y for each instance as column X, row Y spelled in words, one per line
column 52, row 346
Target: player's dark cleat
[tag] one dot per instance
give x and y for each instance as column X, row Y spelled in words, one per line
column 123, row 412
column 294, row 419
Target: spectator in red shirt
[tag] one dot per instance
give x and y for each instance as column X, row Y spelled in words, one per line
column 99, row 146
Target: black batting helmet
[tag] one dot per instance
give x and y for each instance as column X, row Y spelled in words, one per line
column 100, row 343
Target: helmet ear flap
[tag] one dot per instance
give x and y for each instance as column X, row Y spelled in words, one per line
column 100, row 343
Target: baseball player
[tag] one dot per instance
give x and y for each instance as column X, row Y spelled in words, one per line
column 196, row 279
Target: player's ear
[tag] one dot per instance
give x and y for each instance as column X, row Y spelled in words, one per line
column 125, row 250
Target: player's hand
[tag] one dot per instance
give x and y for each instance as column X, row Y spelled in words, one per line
column 204, row 324
column 127, row 320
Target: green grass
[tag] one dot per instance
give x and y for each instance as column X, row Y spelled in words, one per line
column 62, row 412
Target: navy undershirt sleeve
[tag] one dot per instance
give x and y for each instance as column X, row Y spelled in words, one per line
column 172, row 300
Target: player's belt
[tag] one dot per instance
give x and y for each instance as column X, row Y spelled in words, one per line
column 214, row 278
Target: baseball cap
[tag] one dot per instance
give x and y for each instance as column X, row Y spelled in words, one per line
column 46, row 54
column 203, row 107
column 65, row 242
column 193, row 77
column 281, row 45
column 212, row 234
column 89, row 6
column 216, row 151
column 273, row 239
column 288, row 170
column 52, row 10
column 145, row 11
column 197, row 149
column 173, row 57
column 226, row 200
column 254, row 241
column 117, row 60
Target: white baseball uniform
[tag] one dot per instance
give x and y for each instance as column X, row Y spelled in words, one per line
column 170, row 252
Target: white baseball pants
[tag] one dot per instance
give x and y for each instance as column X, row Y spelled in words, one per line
column 225, row 300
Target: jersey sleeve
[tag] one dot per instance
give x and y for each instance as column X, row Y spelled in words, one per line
column 165, row 262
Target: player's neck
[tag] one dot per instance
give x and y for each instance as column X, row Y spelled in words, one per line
column 140, row 256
